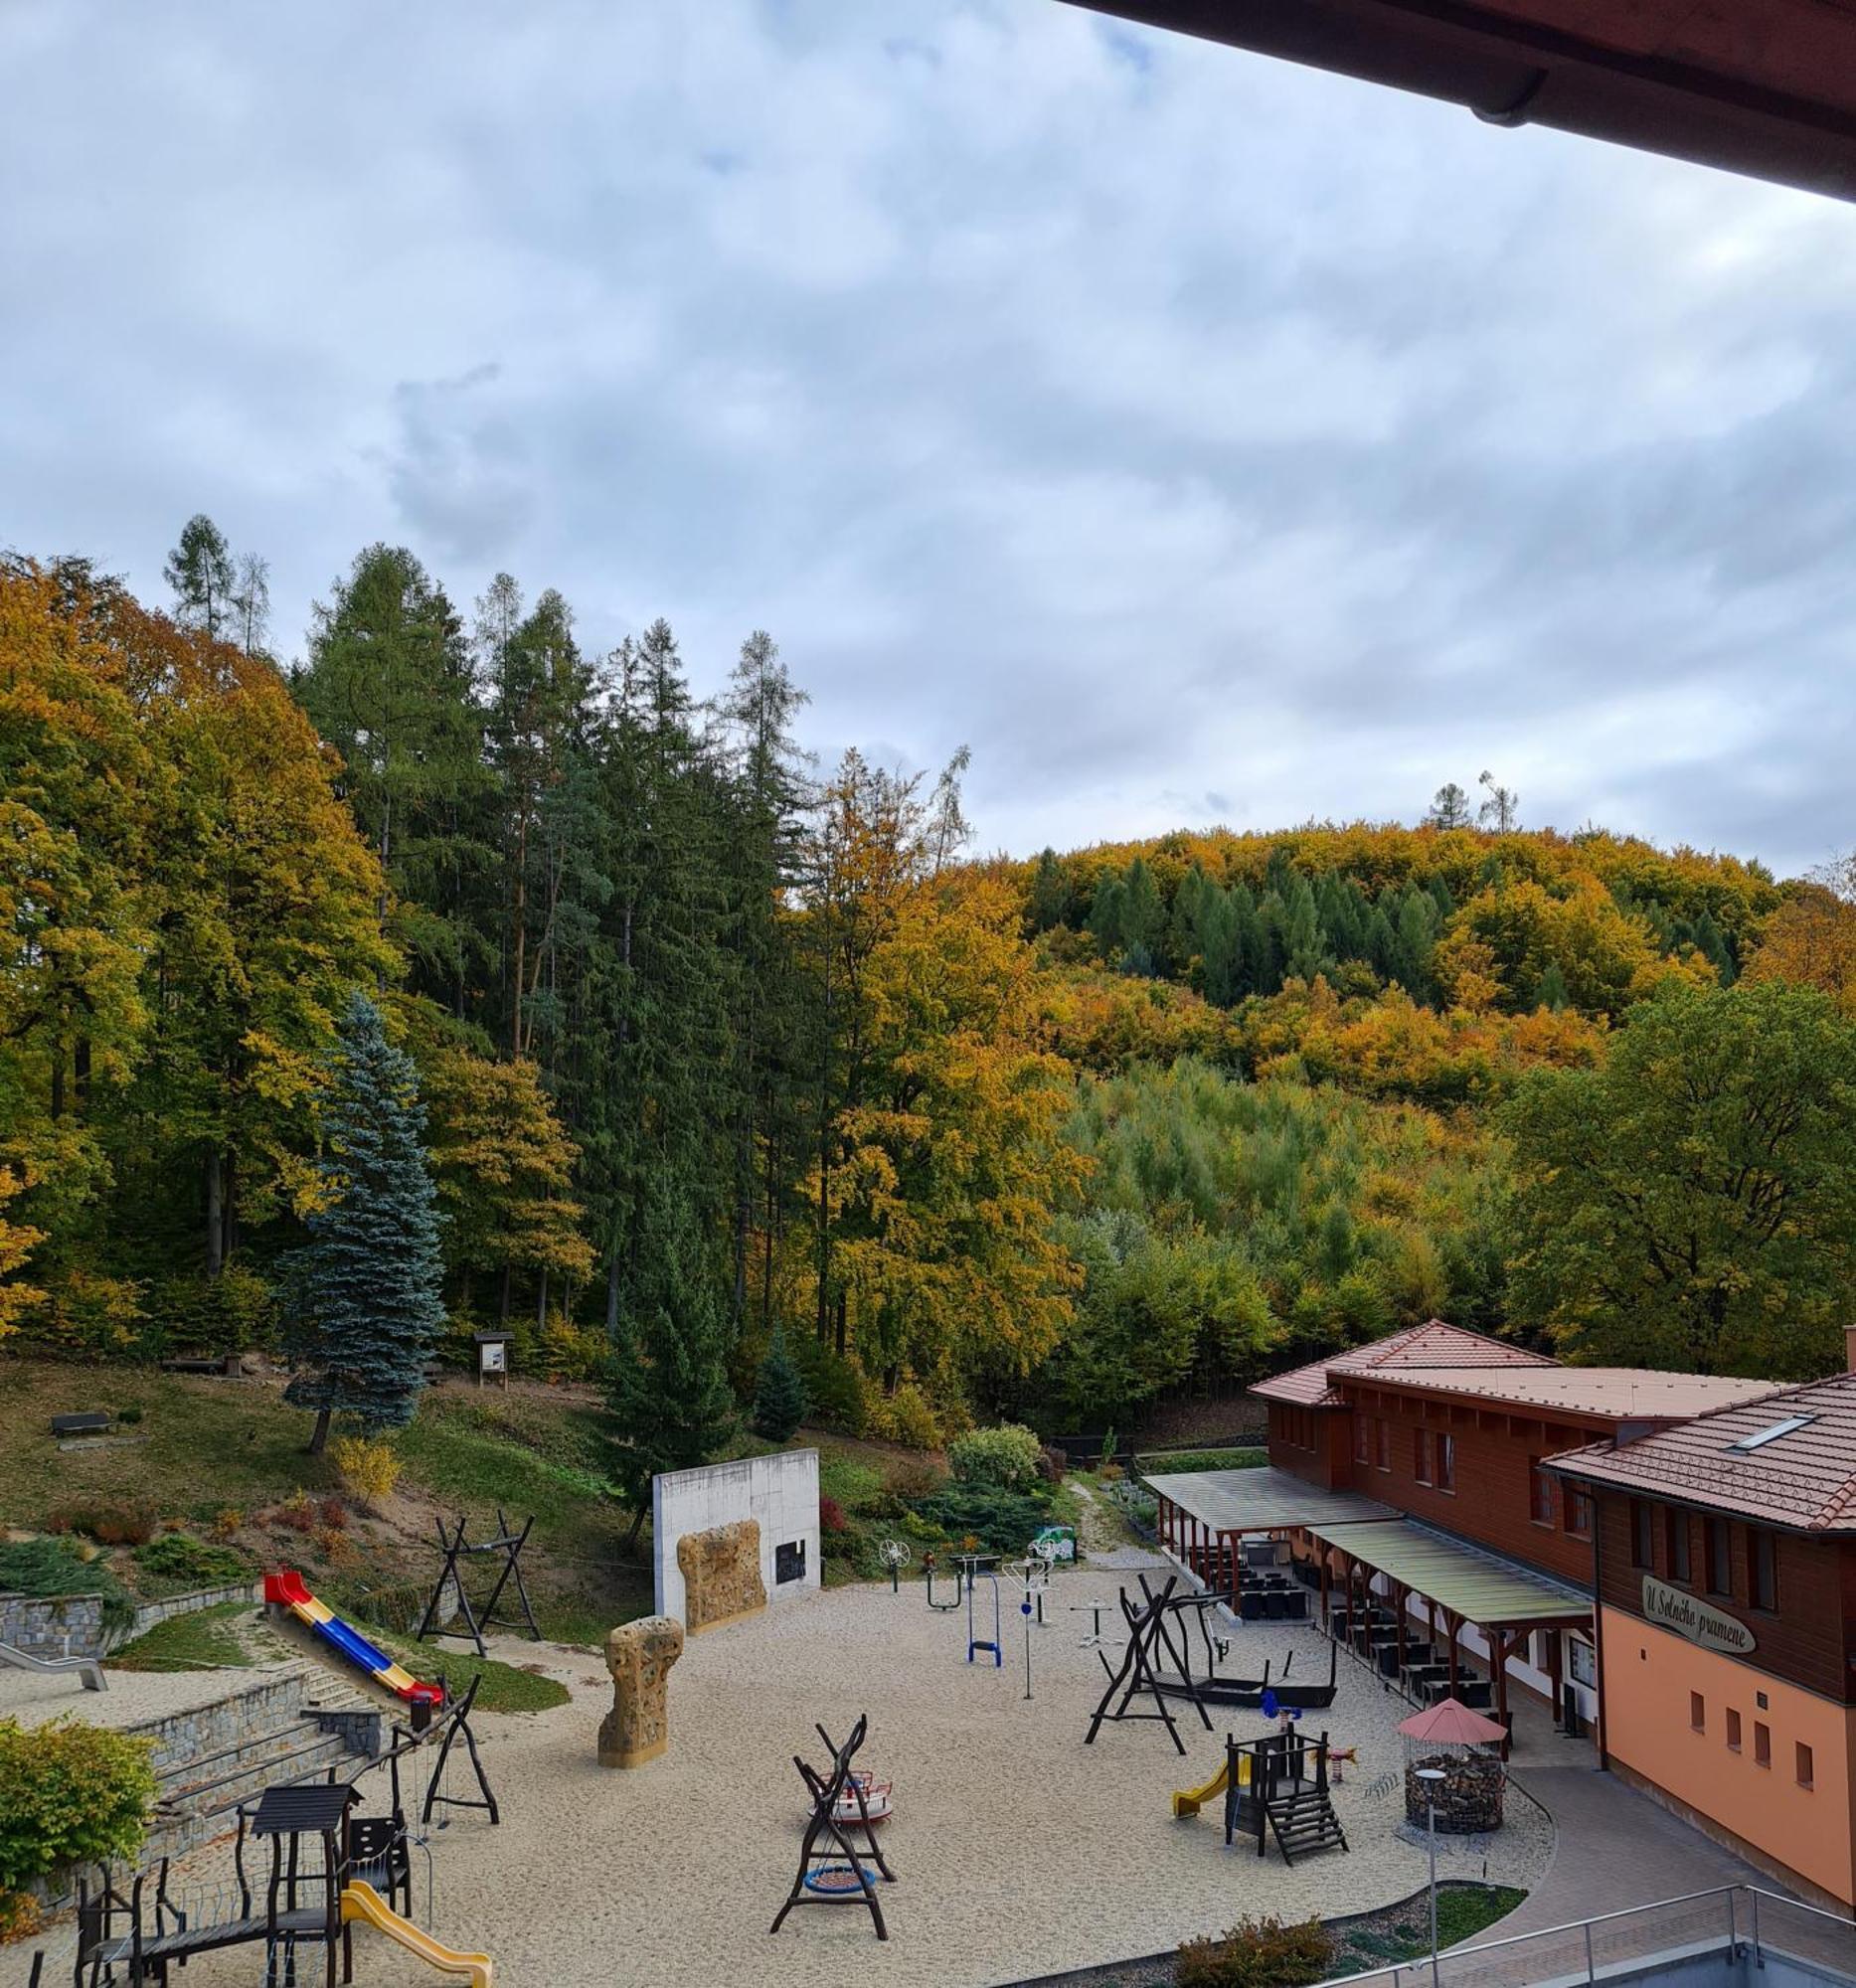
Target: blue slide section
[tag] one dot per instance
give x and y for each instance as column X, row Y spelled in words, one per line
column 354, row 1646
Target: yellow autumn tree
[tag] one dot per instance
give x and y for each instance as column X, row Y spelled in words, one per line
column 17, row 1241
column 504, row 1167
column 1811, row 937
column 943, row 1209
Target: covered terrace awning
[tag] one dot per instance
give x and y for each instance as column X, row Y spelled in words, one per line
column 1204, row 1512
column 1459, row 1585
column 1265, row 1500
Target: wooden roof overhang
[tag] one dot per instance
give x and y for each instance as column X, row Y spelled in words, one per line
column 1765, row 87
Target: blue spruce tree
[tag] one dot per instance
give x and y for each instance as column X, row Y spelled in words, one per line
column 365, row 1305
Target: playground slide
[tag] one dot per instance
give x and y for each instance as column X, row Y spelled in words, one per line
column 286, row 1590
column 361, row 1901
column 1189, row 1801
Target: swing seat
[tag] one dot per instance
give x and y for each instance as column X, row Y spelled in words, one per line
column 839, row 1881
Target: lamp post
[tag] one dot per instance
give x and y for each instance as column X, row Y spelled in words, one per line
column 1431, row 1776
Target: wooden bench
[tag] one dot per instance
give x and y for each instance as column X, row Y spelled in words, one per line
column 94, row 1421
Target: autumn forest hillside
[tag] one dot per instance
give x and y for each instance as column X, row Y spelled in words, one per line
column 722, row 1061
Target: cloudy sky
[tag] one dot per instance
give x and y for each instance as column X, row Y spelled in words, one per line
column 1200, row 438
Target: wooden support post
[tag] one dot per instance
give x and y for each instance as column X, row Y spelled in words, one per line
column 1325, row 1578
column 1453, row 1624
column 1554, row 1678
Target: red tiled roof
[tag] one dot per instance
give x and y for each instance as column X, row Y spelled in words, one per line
column 1433, row 1344
column 1804, row 1477
column 1617, row 1394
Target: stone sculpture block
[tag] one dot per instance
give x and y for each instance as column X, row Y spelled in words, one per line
column 639, row 1655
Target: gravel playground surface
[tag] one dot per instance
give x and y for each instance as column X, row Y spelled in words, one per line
column 1018, row 1850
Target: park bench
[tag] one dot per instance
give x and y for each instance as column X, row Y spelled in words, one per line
column 94, row 1421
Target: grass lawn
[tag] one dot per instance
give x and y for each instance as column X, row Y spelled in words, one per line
column 505, row 1687
column 206, row 1640
column 202, row 1446
column 1403, row 1933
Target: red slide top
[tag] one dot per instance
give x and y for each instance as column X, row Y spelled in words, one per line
column 286, row 1586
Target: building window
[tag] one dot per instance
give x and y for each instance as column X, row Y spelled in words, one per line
column 1382, row 1441
column 1806, row 1766
column 1697, row 1713
column 1642, row 1550
column 1732, row 1731
column 1361, row 1436
column 1579, row 1511
column 1720, row 1555
column 1764, row 1566
column 1421, row 1455
column 1676, row 1530
column 1761, row 1745
column 1444, row 1460
column 1539, row 1494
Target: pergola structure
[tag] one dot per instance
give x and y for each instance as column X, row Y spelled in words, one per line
column 1204, row 1514
column 1459, row 1585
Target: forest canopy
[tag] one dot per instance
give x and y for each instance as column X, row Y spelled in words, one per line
column 714, row 1048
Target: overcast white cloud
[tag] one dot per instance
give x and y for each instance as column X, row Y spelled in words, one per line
column 1200, row 437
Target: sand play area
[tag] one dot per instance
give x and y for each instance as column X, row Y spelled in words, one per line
column 1019, row 1851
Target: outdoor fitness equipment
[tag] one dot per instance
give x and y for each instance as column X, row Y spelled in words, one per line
column 831, row 1862
column 947, row 1603
column 1032, row 1575
column 976, row 1568
column 894, row 1553
column 450, row 1584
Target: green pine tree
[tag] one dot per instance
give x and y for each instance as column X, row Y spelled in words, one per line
column 670, row 1401
column 365, row 1308
column 1551, row 993
column 779, row 1400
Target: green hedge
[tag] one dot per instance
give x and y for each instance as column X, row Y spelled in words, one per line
column 1160, row 1462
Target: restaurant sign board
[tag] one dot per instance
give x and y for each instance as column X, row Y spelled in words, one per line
column 1674, row 1608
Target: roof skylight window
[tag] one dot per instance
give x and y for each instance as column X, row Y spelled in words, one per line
column 1761, row 1437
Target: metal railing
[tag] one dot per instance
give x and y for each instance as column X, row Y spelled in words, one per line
column 1734, row 1920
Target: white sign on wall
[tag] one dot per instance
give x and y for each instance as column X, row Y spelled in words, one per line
column 1673, row 1609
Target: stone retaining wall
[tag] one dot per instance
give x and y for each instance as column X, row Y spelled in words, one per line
column 71, row 1625
column 237, row 1719
column 53, row 1625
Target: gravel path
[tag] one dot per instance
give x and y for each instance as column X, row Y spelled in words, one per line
column 1019, row 1850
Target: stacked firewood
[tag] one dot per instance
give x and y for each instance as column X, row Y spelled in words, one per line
column 1468, row 1799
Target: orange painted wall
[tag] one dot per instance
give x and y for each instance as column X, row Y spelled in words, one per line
column 1649, row 1676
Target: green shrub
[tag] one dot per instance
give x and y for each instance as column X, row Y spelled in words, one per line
column 48, row 1567
column 1257, row 1953
column 177, row 1562
column 1003, row 1522
column 1008, row 1456
column 779, row 1400
column 230, row 1313
column 834, row 1385
column 69, row 1793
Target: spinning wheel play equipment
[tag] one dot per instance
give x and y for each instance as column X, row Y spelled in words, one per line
column 894, row 1553
column 832, row 1862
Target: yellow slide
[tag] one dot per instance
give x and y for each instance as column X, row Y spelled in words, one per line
column 361, row 1901
column 1189, row 1801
